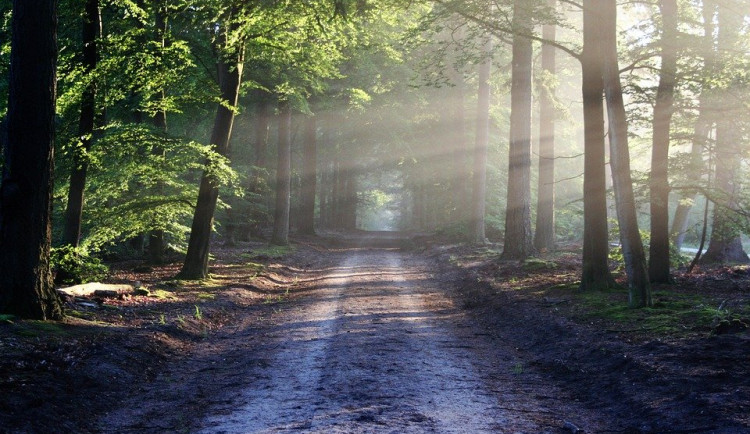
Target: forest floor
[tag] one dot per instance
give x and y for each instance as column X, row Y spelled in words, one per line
column 380, row 333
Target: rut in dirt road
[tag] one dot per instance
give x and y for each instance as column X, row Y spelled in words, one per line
column 376, row 348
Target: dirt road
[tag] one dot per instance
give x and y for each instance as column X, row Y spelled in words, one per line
column 372, row 344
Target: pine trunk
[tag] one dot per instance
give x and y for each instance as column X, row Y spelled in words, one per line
column 518, row 237
column 596, row 274
column 309, row 177
column 92, row 25
column 544, row 236
column 658, row 266
column 283, row 177
column 479, row 177
column 630, row 236
column 26, row 288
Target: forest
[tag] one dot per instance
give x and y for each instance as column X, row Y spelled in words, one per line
column 159, row 143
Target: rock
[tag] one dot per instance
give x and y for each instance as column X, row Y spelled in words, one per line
column 96, row 289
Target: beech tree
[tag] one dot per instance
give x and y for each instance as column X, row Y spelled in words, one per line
column 229, row 67
column 26, row 286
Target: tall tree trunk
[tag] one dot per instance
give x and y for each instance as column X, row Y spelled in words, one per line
column 725, row 245
column 261, row 131
column 309, row 177
column 92, row 25
column 630, row 237
column 458, row 164
column 283, row 177
column 595, row 274
column 230, row 65
column 479, row 177
column 658, row 266
column 26, row 288
column 544, row 236
column 350, row 199
column 518, row 237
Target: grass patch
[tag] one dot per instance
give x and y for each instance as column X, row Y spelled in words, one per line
column 33, row 329
column 206, row 296
column 162, row 294
column 672, row 312
column 270, row 252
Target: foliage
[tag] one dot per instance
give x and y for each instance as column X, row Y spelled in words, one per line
column 74, row 265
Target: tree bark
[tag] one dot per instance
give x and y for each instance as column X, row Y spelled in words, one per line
column 595, row 274
column 283, row 177
column 630, row 237
column 229, row 66
column 309, row 177
column 544, row 236
column 518, row 243
column 92, row 26
column 26, row 288
column 658, row 265
column 479, row 176
column 725, row 245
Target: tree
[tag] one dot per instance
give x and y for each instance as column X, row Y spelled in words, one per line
column 283, row 176
column 518, row 237
column 544, row 235
column 92, row 26
column 725, row 244
column 479, row 176
column 658, row 265
column 229, row 66
column 26, row 286
column 630, row 237
column 595, row 274
column 309, row 177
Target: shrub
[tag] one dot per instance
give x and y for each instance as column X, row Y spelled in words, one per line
column 73, row 265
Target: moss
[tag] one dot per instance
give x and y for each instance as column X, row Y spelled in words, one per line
column 270, row 252
column 534, row 264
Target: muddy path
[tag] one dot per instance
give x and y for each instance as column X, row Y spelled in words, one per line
column 370, row 342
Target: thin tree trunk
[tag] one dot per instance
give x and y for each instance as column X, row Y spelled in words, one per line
column 26, row 288
column 596, row 274
column 283, row 177
column 156, row 240
column 658, row 266
column 309, row 177
column 544, row 236
column 630, row 237
column 230, row 74
column 479, row 177
column 518, row 242
column 92, row 25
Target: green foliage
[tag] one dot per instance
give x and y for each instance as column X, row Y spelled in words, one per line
column 74, row 265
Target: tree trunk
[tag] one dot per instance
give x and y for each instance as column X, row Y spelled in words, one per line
column 544, row 236
column 230, row 74
column 92, row 26
column 518, row 242
column 26, row 288
column 156, row 240
column 458, row 155
column 595, row 274
column 261, row 132
column 283, row 177
column 725, row 245
column 309, row 177
column 630, row 237
column 658, row 266
column 479, row 177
